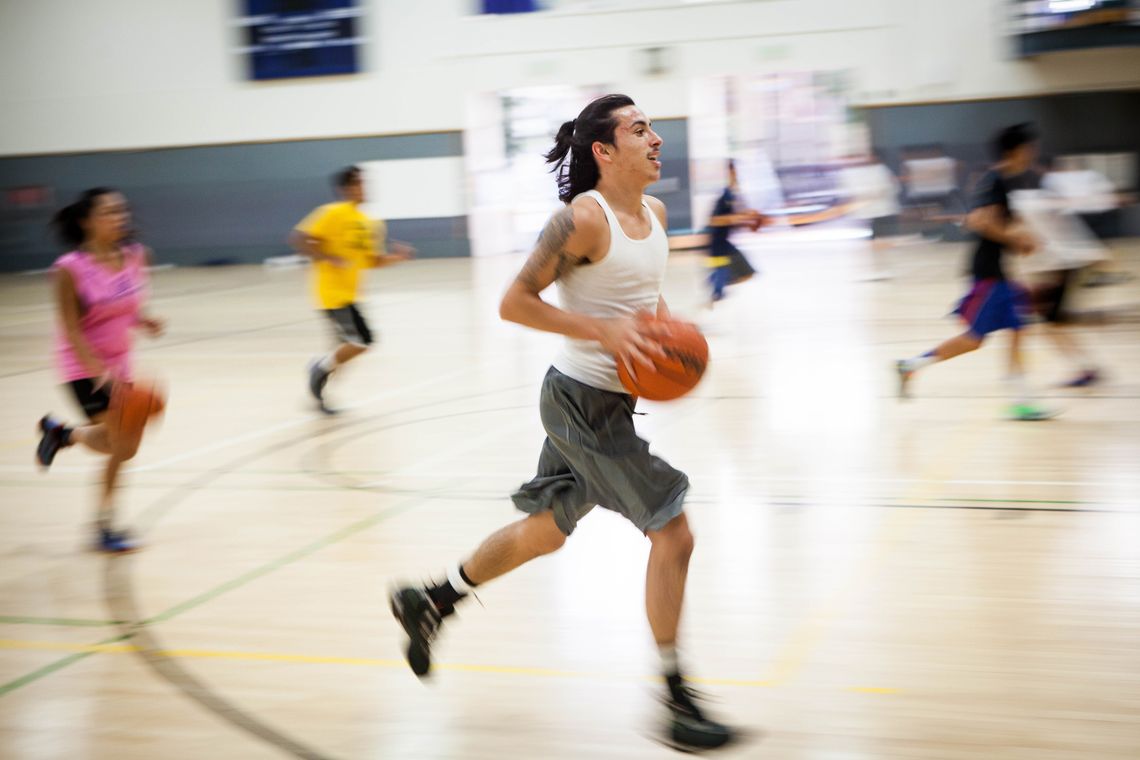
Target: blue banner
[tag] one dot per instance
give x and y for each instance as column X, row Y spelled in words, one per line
column 301, row 38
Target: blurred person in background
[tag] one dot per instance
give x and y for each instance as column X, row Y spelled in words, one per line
column 100, row 290
column 1066, row 247
column 727, row 264
column 930, row 178
column 873, row 192
column 994, row 301
column 342, row 241
column 1091, row 197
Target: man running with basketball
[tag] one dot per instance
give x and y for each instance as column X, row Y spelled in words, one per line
column 607, row 251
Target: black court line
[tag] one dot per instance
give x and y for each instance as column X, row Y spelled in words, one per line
column 119, row 592
column 172, row 344
column 1076, row 394
column 981, row 507
column 120, row 597
column 340, row 479
column 207, row 336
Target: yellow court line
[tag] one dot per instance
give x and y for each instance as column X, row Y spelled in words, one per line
column 375, row 662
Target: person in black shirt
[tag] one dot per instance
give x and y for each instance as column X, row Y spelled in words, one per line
column 994, row 302
column 727, row 263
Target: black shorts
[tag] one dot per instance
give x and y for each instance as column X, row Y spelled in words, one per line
column 350, row 325
column 93, row 401
column 884, row 226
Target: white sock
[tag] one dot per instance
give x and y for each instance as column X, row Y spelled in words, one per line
column 328, row 362
column 1020, row 388
column 918, row 362
column 455, row 578
column 669, row 664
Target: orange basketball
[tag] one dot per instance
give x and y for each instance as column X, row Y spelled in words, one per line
column 133, row 405
column 686, row 356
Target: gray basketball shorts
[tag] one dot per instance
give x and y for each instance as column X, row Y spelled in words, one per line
column 593, row 456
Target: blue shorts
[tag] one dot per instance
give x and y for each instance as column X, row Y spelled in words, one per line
column 992, row 305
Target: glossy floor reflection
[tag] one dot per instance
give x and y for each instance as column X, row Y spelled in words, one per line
column 873, row 579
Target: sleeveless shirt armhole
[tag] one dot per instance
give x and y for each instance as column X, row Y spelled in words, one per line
column 605, row 213
column 66, row 261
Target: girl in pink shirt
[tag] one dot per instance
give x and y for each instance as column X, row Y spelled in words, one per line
column 100, row 288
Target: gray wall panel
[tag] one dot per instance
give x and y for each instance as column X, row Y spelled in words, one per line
column 202, row 204
column 1069, row 123
column 673, row 190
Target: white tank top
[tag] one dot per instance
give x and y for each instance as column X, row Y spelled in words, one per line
column 626, row 281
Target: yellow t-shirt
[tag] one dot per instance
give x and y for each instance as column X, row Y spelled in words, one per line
column 349, row 234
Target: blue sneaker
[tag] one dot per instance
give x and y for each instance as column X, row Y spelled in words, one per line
column 115, row 541
column 53, row 434
column 1084, row 380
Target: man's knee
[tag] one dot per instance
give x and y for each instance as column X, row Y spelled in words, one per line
column 675, row 537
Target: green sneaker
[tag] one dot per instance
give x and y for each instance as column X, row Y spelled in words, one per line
column 1031, row 413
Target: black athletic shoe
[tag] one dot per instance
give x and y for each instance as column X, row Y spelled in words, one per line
column 318, row 377
column 51, row 440
column 421, row 620
column 686, row 728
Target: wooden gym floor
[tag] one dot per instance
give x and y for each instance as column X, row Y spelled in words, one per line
column 872, row 579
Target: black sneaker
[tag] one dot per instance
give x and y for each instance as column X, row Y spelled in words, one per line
column 51, row 440
column 318, row 377
column 416, row 612
column 686, row 728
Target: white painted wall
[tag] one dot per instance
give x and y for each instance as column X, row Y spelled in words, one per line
column 105, row 74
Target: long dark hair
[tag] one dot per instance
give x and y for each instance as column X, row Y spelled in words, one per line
column 68, row 221
column 572, row 154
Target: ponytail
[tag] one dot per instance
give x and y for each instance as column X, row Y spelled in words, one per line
column 68, row 221
column 562, row 142
column 575, row 169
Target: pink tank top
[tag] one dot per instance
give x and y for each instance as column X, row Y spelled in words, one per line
column 109, row 305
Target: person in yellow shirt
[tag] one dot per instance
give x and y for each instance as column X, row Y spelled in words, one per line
column 342, row 240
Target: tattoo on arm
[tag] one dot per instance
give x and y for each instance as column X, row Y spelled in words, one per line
column 551, row 246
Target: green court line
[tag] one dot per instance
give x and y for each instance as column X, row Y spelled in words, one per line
column 281, row 562
column 217, row 591
column 71, row 622
column 52, row 667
